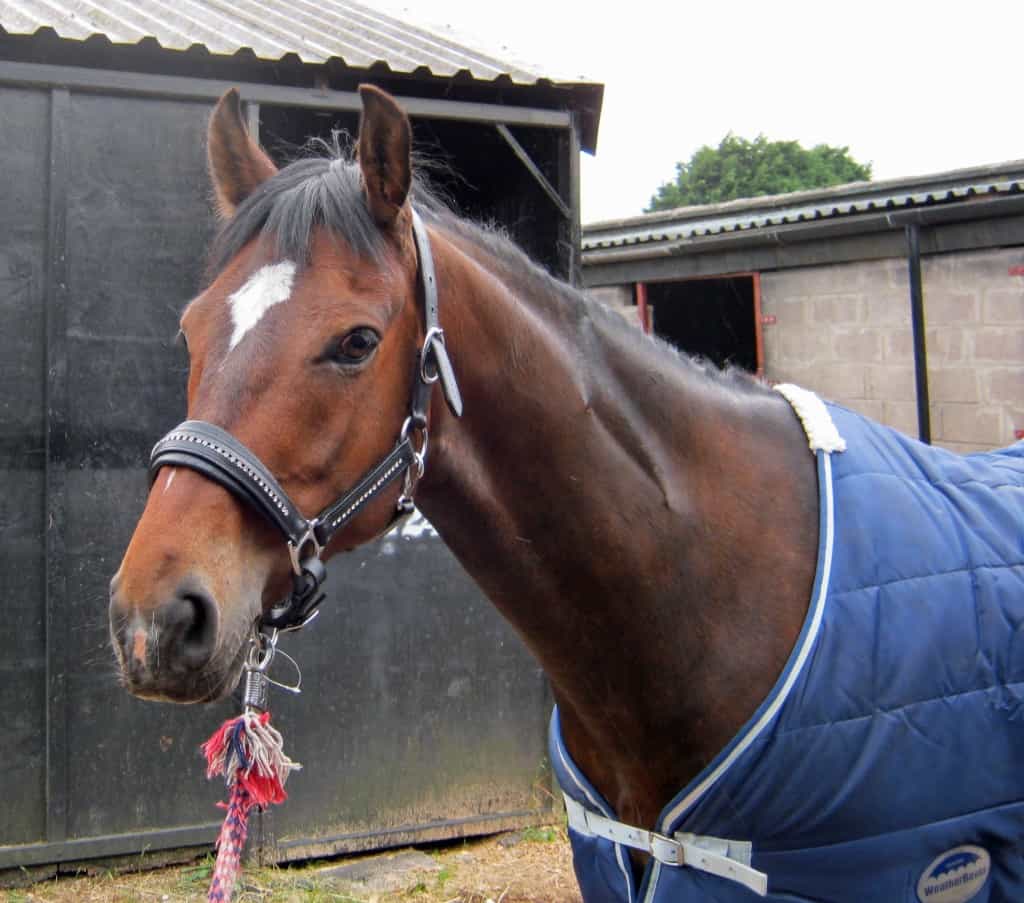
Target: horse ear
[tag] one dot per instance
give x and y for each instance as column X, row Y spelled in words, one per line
column 237, row 163
column 385, row 154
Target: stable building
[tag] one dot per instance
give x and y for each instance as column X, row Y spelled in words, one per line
column 413, row 726
column 902, row 298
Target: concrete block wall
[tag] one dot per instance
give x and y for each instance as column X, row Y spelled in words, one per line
column 844, row 331
column 620, row 299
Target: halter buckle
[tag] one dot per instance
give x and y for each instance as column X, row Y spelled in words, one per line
column 435, row 333
column 295, row 549
column 435, row 351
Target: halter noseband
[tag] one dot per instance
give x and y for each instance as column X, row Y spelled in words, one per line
column 220, row 457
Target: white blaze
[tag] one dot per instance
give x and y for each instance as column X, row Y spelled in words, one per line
column 266, row 287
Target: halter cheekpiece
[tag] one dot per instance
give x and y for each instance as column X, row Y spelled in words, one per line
column 220, row 457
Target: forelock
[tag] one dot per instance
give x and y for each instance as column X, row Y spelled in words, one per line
column 285, row 210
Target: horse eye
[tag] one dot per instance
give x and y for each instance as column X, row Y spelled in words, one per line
column 357, row 346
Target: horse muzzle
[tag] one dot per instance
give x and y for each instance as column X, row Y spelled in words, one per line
column 168, row 650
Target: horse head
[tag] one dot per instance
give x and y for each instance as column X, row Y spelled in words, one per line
column 301, row 347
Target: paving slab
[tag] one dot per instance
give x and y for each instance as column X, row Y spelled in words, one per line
column 380, row 874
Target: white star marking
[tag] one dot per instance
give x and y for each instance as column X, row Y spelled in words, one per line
column 266, row 287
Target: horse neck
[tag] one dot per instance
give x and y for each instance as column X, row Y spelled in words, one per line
column 610, row 500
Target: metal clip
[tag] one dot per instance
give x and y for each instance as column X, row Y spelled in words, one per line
column 405, row 505
column 255, row 696
column 262, row 651
column 419, row 455
column 414, row 472
column 262, row 648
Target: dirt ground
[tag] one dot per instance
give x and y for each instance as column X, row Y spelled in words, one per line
column 531, row 866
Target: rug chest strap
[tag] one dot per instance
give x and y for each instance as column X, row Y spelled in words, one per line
column 729, row 859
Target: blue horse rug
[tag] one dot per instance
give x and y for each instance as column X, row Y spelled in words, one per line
column 887, row 763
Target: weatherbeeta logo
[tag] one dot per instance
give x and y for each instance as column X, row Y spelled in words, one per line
column 954, row 877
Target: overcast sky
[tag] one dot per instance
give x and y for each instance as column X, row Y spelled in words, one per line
column 911, row 87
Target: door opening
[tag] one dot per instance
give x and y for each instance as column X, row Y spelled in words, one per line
column 717, row 319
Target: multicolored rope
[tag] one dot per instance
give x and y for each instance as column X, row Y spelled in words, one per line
column 249, row 753
column 230, row 843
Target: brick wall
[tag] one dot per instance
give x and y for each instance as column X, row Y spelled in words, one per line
column 844, row 331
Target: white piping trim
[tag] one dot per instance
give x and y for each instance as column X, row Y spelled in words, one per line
column 596, row 803
column 819, row 608
column 625, row 874
column 652, row 885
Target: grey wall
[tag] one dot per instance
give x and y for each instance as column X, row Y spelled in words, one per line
column 844, row 331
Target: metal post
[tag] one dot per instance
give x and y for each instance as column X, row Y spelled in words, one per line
column 252, row 119
column 924, row 428
column 575, row 226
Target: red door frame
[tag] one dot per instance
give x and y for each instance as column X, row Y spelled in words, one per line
column 645, row 315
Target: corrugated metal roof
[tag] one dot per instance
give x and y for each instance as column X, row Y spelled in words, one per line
column 315, row 31
column 751, row 214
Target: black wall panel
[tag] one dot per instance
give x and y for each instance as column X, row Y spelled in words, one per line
column 24, row 143
column 422, row 715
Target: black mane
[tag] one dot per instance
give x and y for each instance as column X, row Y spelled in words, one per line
column 315, row 191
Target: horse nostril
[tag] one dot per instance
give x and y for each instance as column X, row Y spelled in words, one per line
column 191, row 627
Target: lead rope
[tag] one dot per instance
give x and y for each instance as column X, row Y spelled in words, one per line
column 249, row 753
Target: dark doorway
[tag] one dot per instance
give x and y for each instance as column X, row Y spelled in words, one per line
column 286, row 131
column 713, row 318
column 470, row 166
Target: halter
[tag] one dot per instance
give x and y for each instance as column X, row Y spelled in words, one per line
column 220, row 457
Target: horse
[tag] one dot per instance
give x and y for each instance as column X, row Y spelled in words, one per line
column 668, row 539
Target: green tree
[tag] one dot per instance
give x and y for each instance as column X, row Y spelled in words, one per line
column 738, row 168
